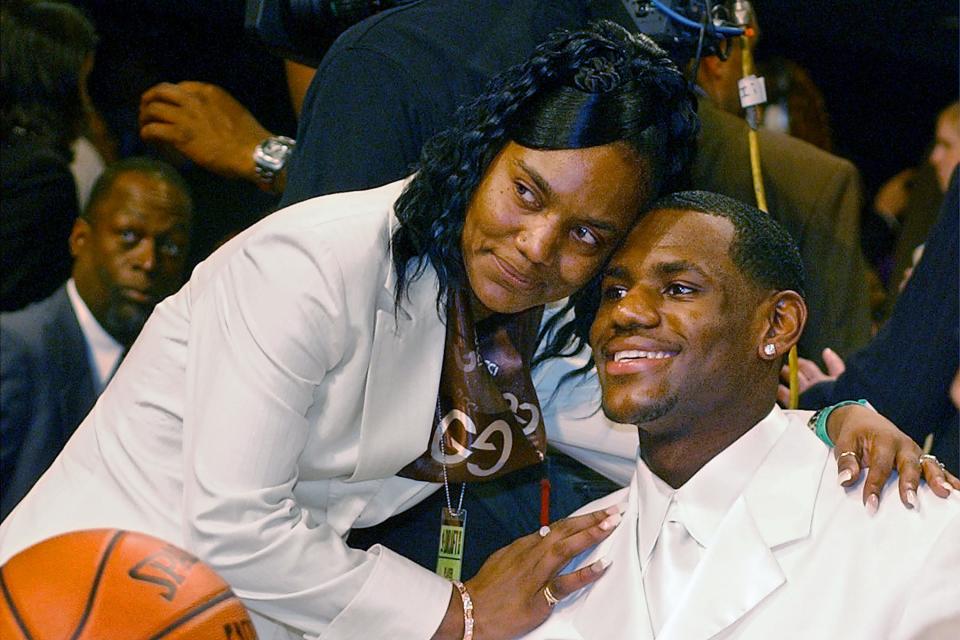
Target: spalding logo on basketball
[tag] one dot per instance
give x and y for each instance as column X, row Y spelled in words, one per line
column 106, row 583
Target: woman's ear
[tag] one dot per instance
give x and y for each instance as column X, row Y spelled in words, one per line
column 786, row 315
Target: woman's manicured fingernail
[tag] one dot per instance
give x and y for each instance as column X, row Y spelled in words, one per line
column 912, row 498
column 611, row 522
column 873, row 503
column 600, row 565
column 844, row 476
column 946, row 486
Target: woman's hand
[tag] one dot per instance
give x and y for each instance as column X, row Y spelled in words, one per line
column 878, row 444
column 508, row 591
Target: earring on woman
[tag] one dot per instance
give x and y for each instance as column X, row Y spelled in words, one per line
column 769, row 349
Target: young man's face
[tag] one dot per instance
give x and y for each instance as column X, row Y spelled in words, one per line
column 677, row 321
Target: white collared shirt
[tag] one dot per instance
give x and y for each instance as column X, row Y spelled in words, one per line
column 103, row 352
column 704, row 500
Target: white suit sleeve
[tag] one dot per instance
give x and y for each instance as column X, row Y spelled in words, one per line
column 265, row 331
column 932, row 608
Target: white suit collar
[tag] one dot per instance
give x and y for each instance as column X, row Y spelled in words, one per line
column 405, row 339
column 738, row 569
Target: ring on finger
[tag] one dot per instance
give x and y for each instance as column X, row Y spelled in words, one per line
column 552, row 600
column 932, row 458
column 544, row 531
column 847, row 453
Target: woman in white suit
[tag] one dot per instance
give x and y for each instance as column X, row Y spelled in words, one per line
column 335, row 363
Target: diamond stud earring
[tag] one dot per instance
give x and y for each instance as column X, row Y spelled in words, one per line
column 769, row 349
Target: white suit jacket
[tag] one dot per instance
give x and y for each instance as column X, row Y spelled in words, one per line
column 795, row 557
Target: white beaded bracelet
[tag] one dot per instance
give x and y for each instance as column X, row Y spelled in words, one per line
column 467, row 610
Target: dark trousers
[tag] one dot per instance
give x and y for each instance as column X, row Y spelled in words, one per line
column 498, row 512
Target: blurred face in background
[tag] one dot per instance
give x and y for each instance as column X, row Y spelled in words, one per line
column 946, row 148
column 131, row 253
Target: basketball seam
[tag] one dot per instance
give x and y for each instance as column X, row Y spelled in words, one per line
column 224, row 595
column 13, row 608
column 96, row 583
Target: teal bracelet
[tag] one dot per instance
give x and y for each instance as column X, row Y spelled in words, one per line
column 818, row 421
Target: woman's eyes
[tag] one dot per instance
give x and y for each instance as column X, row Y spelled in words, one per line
column 585, row 235
column 530, row 199
column 524, row 193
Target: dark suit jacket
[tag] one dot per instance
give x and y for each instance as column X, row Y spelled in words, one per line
column 817, row 197
column 905, row 372
column 46, row 389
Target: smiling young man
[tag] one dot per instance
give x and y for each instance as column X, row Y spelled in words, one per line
column 734, row 525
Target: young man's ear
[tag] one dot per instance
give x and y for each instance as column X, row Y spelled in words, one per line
column 79, row 236
column 786, row 315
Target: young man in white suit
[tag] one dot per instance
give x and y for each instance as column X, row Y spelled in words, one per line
column 694, row 315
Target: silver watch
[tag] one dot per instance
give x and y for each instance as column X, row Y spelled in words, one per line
column 270, row 156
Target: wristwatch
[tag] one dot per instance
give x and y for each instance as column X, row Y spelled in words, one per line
column 270, row 156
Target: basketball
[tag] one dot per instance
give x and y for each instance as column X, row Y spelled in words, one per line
column 107, row 583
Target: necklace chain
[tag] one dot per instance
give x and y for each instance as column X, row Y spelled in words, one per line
column 443, row 470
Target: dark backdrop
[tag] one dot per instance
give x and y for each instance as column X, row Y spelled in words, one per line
column 886, row 68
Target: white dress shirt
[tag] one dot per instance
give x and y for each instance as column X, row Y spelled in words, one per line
column 700, row 504
column 103, row 352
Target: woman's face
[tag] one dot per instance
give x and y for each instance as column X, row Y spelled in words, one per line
column 542, row 223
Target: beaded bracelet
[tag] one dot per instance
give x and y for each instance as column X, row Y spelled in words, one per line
column 467, row 610
column 818, row 421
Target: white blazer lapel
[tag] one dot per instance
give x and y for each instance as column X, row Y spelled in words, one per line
column 615, row 606
column 401, row 389
column 737, row 571
column 740, row 568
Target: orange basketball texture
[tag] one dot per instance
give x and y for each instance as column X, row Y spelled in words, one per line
column 106, row 583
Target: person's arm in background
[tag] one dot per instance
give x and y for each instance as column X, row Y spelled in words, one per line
column 204, row 123
column 357, row 130
column 906, row 370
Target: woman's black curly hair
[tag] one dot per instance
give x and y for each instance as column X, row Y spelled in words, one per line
column 579, row 89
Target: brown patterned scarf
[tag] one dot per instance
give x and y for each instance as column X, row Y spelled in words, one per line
column 491, row 420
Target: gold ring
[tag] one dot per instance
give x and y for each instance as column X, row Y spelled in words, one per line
column 552, row 600
column 846, row 453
